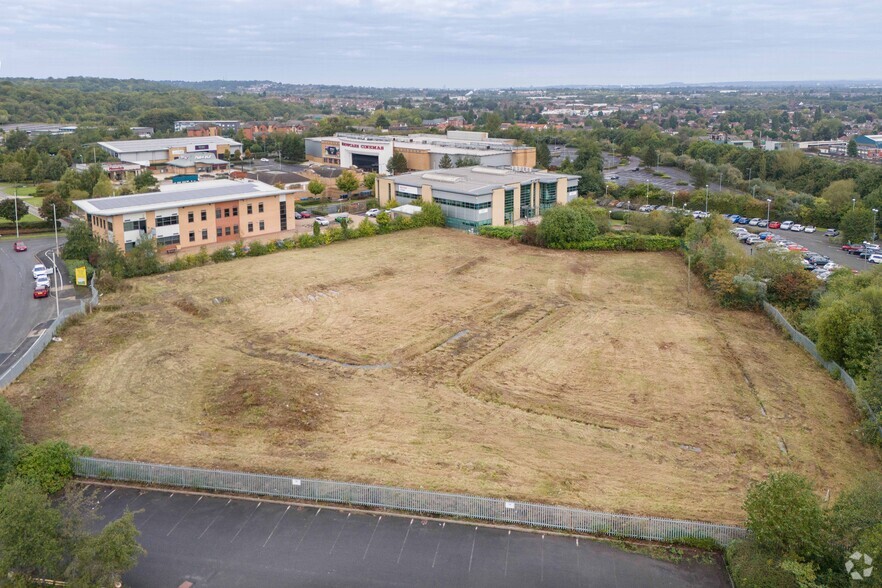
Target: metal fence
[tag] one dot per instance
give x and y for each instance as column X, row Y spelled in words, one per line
column 37, row 347
column 412, row 501
column 831, row 366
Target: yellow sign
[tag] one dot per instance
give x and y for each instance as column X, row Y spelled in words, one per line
column 81, row 276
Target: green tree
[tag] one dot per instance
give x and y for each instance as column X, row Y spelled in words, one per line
column 13, row 171
column 397, row 163
column 543, row 155
column 315, row 188
column 62, row 207
column 852, row 149
column 856, row 225
column 370, row 180
column 382, row 122
column 347, row 182
column 467, row 161
column 492, row 123
column 293, row 148
column 8, row 208
column 446, row 162
column 839, row 194
column 562, row 225
column 316, row 229
column 48, row 464
column 81, row 244
column 101, row 560
column 11, row 438
column 784, row 516
column 16, row 140
column 143, row 258
column 145, row 179
column 30, row 542
column 103, row 188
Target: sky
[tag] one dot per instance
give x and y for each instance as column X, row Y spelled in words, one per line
column 443, row 43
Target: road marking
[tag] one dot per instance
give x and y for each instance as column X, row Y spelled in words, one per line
column 371, row 539
column 216, row 517
column 437, row 547
column 334, row 544
column 246, row 522
column 397, row 561
column 542, row 562
column 305, row 531
column 111, row 492
column 472, row 554
column 183, row 517
column 277, row 526
column 507, row 545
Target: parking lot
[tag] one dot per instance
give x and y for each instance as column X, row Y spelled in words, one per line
column 625, row 174
column 219, row 541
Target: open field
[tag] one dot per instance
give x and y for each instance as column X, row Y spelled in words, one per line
column 435, row 359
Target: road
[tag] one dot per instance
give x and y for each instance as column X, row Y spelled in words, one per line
column 219, row 542
column 23, row 316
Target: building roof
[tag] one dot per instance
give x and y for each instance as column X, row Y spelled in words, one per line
column 142, row 145
column 172, row 196
column 869, row 139
column 477, row 180
column 408, row 209
column 278, row 177
column 190, row 160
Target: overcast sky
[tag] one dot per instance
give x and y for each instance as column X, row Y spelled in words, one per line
column 443, row 43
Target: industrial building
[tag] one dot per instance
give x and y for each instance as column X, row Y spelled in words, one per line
column 190, row 215
column 156, row 152
column 869, row 146
column 422, row 151
column 471, row 197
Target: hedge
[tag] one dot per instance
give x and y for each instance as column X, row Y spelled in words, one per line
column 618, row 214
column 26, row 226
column 506, row 232
column 627, row 242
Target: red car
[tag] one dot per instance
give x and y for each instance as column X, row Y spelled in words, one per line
column 41, row 292
column 775, row 225
column 20, row 246
column 306, row 214
column 852, row 248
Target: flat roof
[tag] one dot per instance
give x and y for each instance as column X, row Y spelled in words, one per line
column 179, row 195
column 476, row 180
column 163, row 144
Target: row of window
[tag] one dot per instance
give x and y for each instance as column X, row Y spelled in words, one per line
column 460, row 204
column 170, row 240
column 104, row 223
column 202, row 214
column 137, row 225
column 226, row 212
column 166, row 221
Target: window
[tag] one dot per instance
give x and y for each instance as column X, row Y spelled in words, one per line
column 260, row 225
column 137, row 225
column 249, row 209
column 220, row 232
column 167, row 221
column 459, row 204
column 226, row 212
column 260, row 207
column 217, row 213
column 235, row 211
column 170, row 240
column 227, row 231
column 190, row 217
column 204, row 234
column 250, row 227
column 192, row 236
column 110, row 225
column 204, row 215
column 235, row 229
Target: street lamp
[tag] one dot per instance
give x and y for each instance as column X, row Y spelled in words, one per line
column 16, row 211
column 706, row 196
column 54, row 263
column 721, row 181
column 768, row 209
column 672, row 199
column 647, row 191
column 875, row 211
column 853, row 202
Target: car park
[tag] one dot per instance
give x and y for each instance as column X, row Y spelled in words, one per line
column 372, row 212
column 322, row 221
column 41, row 291
column 785, row 226
column 297, row 215
column 20, row 246
column 753, row 240
column 819, row 260
column 753, row 222
column 796, row 228
column 743, row 220
column 341, row 219
column 831, row 233
column 763, row 223
column 810, row 229
column 853, row 249
column 774, row 225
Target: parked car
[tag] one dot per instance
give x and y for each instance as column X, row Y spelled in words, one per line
column 774, row 225
column 297, row 215
column 853, row 249
column 42, row 270
column 753, row 240
column 796, row 228
column 875, row 258
column 306, row 214
column 372, row 212
column 810, row 229
column 20, row 246
column 763, row 223
column 819, row 260
column 264, row 159
column 614, row 177
column 42, row 280
column 322, row 221
column 341, row 218
column 785, row 226
column 41, row 291
column 753, row 222
column 831, row 233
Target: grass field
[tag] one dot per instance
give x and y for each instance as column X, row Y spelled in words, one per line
column 434, row 359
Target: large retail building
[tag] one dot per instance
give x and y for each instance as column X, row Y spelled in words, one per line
column 156, row 152
column 471, row 197
column 190, row 215
column 422, row 151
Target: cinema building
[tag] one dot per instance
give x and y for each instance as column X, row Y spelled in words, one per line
column 422, row 151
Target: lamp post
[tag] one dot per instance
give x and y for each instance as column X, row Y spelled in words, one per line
column 768, row 210
column 721, row 181
column 853, row 202
column 672, row 199
column 16, row 211
column 55, row 263
column 875, row 211
column 706, row 196
column 647, row 191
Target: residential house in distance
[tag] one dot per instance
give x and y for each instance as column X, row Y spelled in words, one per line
column 251, row 130
column 204, row 130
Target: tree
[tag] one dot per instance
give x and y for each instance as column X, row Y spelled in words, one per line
column 13, row 171
column 62, row 207
column 397, row 163
column 543, row 155
column 103, row 188
column 101, row 560
column 143, row 259
column 8, row 208
column 369, row 180
column 467, row 161
column 784, row 516
column 852, row 148
column 48, row 464
column 11, row 438
column 292, row 148
column 315, row 187
column 347, row 182
column 16, row 140
column 446, row 162
column 30, row 544
column 316, row 229
column 382, row 122
column 562, row 225
column 856, row 225
column 839, row 194
column 144, row 179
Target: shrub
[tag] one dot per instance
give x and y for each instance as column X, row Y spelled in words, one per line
column 618, row 215
column 48, row 464
column 627, row 242
column 366, row 229
column 222, row 255
column 258, row 248
column 506, row 232
column 106, row 282
column 752, row 568
column 562, row 225
column 73, row 264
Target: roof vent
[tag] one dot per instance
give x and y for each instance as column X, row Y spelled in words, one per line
column 489, row 170
column 442, row 178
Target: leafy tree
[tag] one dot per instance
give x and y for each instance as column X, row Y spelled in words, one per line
column 62, row 207
column 29, row 531
column 397, row 163
column 315, row 187
column 16, row 140
column 784, row 516
column 543, row 155
column 13, row 171
column 48, row 464
column 382, row 122
column 562, row 225
column 103, row 188
column 143, row 258
column 446, row 162
column 11, row 438
column 366, row 229
column 430, row 215
column 467, row 161
column 81, row 244
column 839, row 194
column 8, row 208
column 852, row 149
column 316, row 229
column 347, row 182
column 856, row 225
column 145, row 179
column 101, row 560
column 859, row 508
column 293, row 148
column 369, row 180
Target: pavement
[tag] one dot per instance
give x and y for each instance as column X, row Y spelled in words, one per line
column 222, row 542
column 24, row 317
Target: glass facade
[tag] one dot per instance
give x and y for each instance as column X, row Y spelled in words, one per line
column 547, row 196
column 526, row 202
column 509, row 207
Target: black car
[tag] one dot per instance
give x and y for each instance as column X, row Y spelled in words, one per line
column 820, row 260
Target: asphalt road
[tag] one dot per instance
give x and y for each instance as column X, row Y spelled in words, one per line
column 223, row 542
column 626, row 175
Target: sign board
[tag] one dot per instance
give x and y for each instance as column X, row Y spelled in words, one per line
column 331, row 150
column 80, row 273
column 408, row 190
column 362, row 146
column 201, row 148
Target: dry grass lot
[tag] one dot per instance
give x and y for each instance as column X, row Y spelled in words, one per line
column 435, row 359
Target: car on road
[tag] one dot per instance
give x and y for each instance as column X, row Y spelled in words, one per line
column 810, row 229
column 322, row 221
column 41, row 291
column 19, row 246
column 42, row 280
column 774, row 225
column 341, row 218
column 796, row 228
column 372, row 212
column 41, row 270
column 306, row 214
column 875, row 258
column 264, row 159
column 614, row 177
column 831, row 233
column 785, row 226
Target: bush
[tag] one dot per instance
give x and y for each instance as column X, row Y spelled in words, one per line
column 627, row 242
column 618, row 214
column 507, row 232
column 258, row 248
column 48, row 464
column 750, row 567
column 222, row 255
column 73, row 264
column 562, row 225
